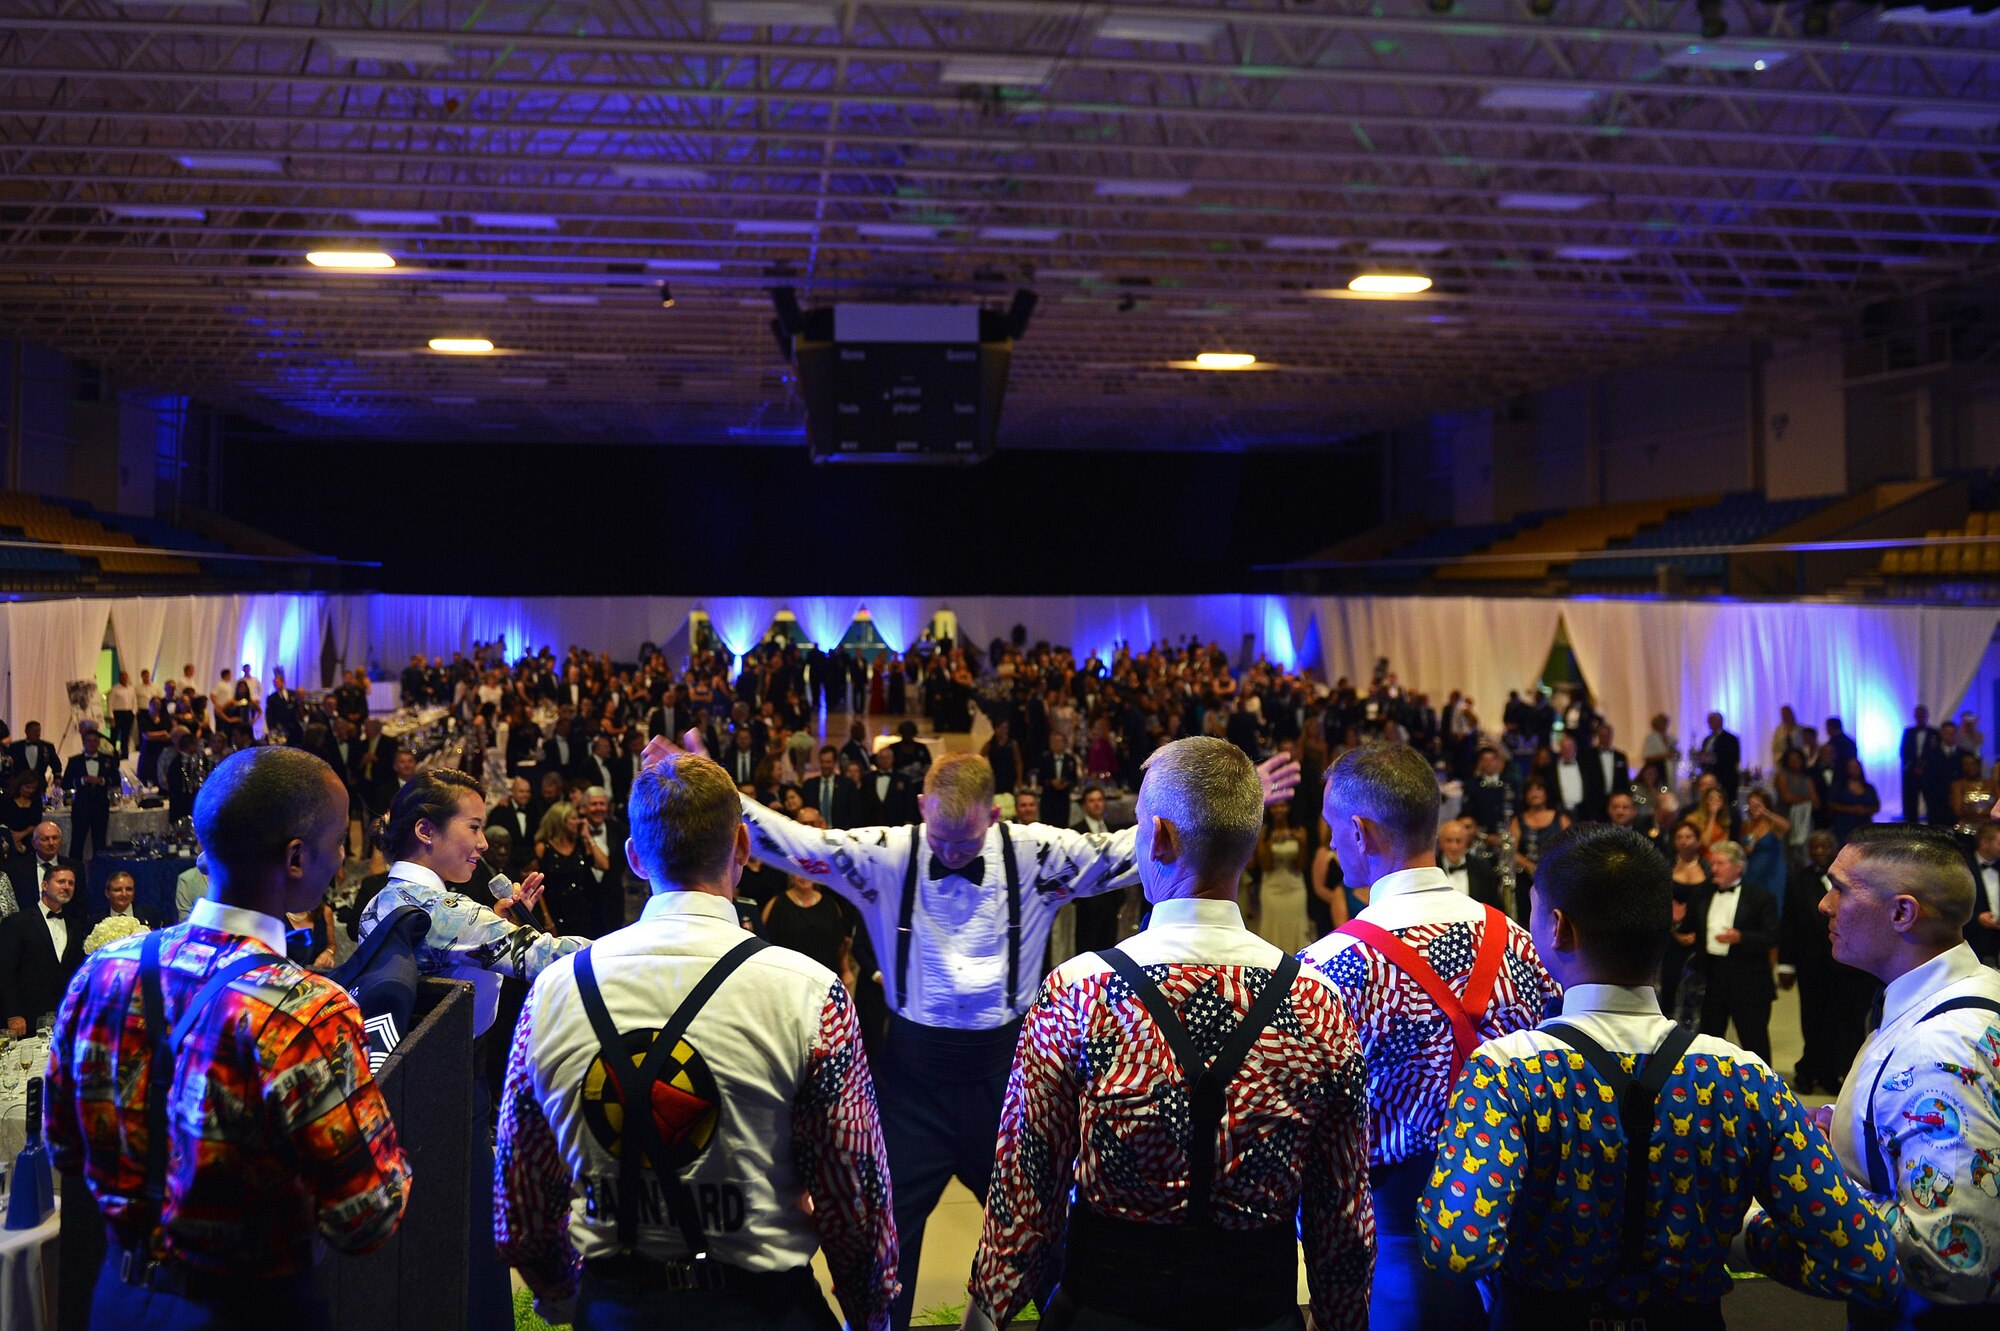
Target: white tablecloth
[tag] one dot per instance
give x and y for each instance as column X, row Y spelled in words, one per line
column 124, row 825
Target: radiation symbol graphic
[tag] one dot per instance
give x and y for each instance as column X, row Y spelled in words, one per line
column 685, row 1101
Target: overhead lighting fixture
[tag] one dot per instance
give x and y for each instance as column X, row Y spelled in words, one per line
column 1029, row 234
column 350, row 260
column 775, row 227
column 896, row 231
column 517, row 221
column 1225, row 360
column 1548, row 203
column 1596, row 253
column 683, row 265
column 1537, row 98
column 157, row 212
column 666, row 296
column 1724, row 57
column 563, row 299
column 1167, row 31
column 1918, row 16
column 230, row 162
column 1389, row 284
column 663, row 173
column 462, row 346
column 1424, row 248
column 393, row 217
column 773, row 13
column 1945, row 117
column 388, row 48
column 1306, row 243
column 1000, row 70
column 1144, row 189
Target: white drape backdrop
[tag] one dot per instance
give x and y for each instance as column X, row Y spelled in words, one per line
column 1480, row 646
column 50, row 643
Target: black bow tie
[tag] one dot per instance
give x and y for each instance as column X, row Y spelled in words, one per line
column 973, row 871
column 1720, row 888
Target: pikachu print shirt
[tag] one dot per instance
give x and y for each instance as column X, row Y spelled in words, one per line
column 1530, row 1174
column 1936, row 1096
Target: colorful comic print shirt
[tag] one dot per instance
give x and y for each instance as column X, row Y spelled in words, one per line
column 467, row 940
column 958, row 951
column 1407, row 1040
column 1097, row 1103
column 767, row 1104
column 279, row 1132
column 1937, row 1121
column 1530, row 1176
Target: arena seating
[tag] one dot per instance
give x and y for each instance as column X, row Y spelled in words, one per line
column 1578, row 529
column 1735, row 519
column 1451, row 543
column 41, row 520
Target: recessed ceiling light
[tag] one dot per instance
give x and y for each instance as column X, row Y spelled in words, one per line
column 1144, row 189
column 461, row 346
column 896, row 231
column 393, row 217
column 350, row 259
column 1549, row 203
column 563, row 299
column 1425, row 247
column 1596, row 253
column 1306, row 242
column 160, row 212
column 518, row 221
column 1918, row 16
column 663, row 173
column 776, row 227
column 1945, row 117
column 1225, row 360
column 684, row 265
column 1005, row 70
column 230, row 162
column 388, row 48
column 1534, row 98
column 1724, row 56
column 1172, row 31
column 1389, row 284
column 1037, row 234
column 773, row 13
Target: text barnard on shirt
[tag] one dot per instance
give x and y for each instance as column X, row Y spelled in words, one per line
column 720, row 1204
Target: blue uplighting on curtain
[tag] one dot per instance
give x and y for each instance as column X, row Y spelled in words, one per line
column 898, row 619
column 740, row 621
column 824, row 619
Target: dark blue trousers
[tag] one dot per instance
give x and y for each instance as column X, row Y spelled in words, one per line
column 1408, row 1295
column 784, row 1303
column 940, row 1092
column 258, row 1306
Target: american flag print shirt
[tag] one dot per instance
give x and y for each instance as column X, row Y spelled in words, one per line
column 1096, row 1101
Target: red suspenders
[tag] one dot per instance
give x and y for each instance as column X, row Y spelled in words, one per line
column 1464, row 1012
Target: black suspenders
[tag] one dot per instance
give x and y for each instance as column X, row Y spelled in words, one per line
column 639, row 1141
column 1637, row 1097
column 1208, row 1083
column 1880, row 1181
column 907, row 909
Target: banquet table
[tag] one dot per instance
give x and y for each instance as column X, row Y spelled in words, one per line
column 153, row 881
column 124, row 827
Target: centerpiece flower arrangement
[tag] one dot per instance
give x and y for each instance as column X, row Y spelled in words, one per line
column 110, row 930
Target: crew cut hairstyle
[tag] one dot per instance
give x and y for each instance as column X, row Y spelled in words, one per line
column 431, row 797
column 961, row 783
column 683, row 812
column 258, row 801
column 1390, row 784
column 1615, row 889
column 1928, row 864
column 1208, row 789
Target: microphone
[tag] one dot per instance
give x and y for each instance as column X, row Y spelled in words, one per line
column 500, row 885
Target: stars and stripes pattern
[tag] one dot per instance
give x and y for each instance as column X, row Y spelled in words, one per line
column 1097, row 1101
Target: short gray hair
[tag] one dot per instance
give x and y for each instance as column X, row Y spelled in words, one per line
column 596, row 793
column 1392, row 785
column 1729, row 850
column 1208, row 789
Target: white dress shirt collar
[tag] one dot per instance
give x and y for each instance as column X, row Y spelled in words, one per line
column 269, row 930
column 1919, row 986
column 1197, row 912
column 663, row 906
column 1403, row 882
column 409, row 871
column 1615, row 999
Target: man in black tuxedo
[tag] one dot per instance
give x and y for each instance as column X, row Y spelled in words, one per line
column 89, row 779
column 1475, row 878
column 1833, row 999
column 41, row 946
column 560, row 752
column 1605, row 768
column 830, row 792
column 1922, row 756
column 887, row 796
column 856, row 749
column 608, row 894
column 415, row 683
column 740, row 759
column 1982, row 931
column 120, row 893
column 31, row 753
column 29, row 872
column 282, row 708
column 1096, row 917
column 1573, row 791
column 1057, row 772
column 1621, row 810
column 1721, row 754
column 521, row 814
column 1732, row 929
column 604, row 766
column 377, row 772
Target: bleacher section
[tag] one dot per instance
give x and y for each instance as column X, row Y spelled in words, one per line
column 26, row 517
column 1736, row 519
column 1577, row 529
column 1449, row 543
column 154, row 532
column 1949, row 561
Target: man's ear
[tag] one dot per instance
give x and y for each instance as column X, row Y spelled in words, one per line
column 632, row 860
column 1563, row 932
column 743, row 843
column 1166, row 841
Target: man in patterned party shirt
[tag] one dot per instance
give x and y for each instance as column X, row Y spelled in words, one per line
column 272, row 1134
column 1426, row 973
column 1534, row 1185
column 1196, row 1091
column 1918, row 1119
